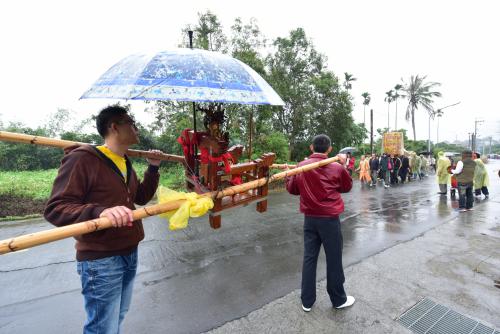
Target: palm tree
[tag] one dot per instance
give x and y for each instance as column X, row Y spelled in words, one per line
column 389, row 98
column 348, row 79
column 396, row 96
column 366, row 101
column 419, row 93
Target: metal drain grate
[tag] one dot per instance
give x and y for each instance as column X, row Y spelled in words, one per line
column 432, row 318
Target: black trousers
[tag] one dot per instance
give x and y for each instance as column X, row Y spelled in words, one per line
column 403, row 173
column 394, row 176
column 323, row 231
column 484, row 190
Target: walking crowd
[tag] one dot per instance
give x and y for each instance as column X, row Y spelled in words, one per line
column 393, row 169
column 467, row 176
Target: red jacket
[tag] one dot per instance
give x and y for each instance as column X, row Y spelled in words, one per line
column 352, row 161
column 320, row 188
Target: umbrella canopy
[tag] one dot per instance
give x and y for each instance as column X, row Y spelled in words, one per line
column 184, row 75
column 347, row 149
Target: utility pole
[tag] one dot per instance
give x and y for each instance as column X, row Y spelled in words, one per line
column 489, row 152
column 469, row 146
column 439, row 112
column 388, row 120
column 371, row 131
column 431, row 114
column 475, row 134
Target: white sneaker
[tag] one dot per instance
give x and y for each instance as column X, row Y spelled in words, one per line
column 306, row 309
column 350, row 300
column 387, row 186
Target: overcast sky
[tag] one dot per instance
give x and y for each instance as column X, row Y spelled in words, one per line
column 52, row 51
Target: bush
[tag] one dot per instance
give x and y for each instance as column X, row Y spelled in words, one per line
column 28, row 157
column 275, row 142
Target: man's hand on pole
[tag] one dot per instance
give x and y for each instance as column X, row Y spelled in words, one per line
column 120, row 216
column 342, row 158
column 154, row 162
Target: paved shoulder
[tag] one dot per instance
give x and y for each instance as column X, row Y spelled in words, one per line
column 455, row 264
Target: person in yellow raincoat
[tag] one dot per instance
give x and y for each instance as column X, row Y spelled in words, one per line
column 442, row 173
column 364, row 171
column 481, row 179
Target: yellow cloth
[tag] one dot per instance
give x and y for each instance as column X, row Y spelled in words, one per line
column 364, row 171
column 119, row 161
column 442, row 169
column 194, row 206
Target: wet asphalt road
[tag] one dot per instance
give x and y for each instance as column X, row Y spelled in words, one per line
column 197, row 279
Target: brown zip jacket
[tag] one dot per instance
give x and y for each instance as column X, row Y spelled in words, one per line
column 88, row 183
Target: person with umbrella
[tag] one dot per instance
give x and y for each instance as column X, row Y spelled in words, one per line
column 350, row 163
column 99, row 181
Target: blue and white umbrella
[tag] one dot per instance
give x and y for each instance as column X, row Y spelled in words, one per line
column 184, row 75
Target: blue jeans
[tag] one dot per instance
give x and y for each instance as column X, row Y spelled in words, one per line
column 107, row 289
column 465, row 196
column 323, row 231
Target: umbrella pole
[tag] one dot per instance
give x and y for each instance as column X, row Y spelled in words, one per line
column 196, row 167
column 195, row 153
column 250, row 141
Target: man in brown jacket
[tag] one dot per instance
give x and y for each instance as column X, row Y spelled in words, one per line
column 99, row 181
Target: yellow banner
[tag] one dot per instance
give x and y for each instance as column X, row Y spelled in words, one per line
column 393, row 143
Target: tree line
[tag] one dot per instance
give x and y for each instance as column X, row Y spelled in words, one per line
column 316, row 101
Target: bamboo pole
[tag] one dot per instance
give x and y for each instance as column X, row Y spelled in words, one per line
column 43, row 237
column 283, row 166
column 60, row 143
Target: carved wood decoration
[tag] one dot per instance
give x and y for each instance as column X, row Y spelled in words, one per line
column 219, row 165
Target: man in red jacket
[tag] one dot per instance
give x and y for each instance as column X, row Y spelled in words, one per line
column 99, row 181
column 321, row 204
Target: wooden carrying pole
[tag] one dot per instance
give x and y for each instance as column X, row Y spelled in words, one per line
column 43, row 237
column 45, row 141
column 283, row 166
column 60, row 143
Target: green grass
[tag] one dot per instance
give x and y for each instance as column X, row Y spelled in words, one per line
column 30, row 184
column 38, row 184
